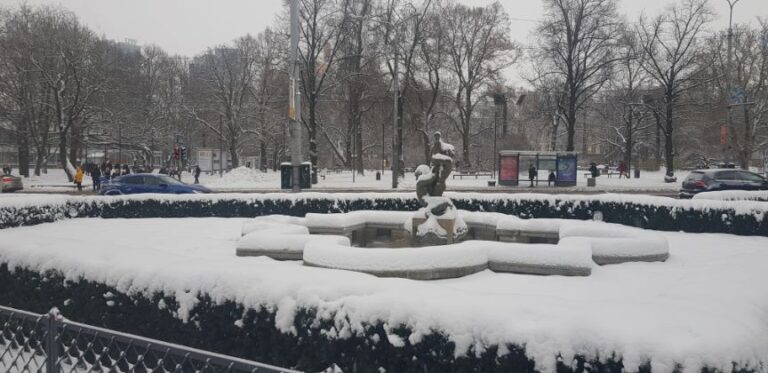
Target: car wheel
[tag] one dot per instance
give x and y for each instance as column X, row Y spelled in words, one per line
column 112, row 193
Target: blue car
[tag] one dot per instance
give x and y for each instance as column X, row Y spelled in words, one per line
column 149, row 183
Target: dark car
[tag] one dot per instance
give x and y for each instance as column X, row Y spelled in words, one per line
column 721, row 179
column 149, row 183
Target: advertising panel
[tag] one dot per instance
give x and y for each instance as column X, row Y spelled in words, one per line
column 566, row 169
column 508, row 169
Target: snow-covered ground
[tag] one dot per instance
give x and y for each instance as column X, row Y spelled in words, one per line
column 706, row 305
column 249, row 179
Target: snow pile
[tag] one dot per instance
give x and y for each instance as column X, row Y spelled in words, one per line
column 734, row 195
column 705, row 306
column 237, row 178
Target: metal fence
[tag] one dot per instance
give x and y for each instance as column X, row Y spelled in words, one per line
column 31, row 342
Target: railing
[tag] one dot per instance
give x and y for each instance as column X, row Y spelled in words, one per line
column 31, row 342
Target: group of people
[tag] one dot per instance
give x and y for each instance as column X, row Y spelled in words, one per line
column 99, row 172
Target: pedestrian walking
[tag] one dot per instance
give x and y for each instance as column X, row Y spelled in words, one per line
column 532, row 173
column 623, row 170
column 79, row 178
column 96, row 177
column 197, row 174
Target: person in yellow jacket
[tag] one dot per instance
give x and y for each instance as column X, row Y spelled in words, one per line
column 79, row 178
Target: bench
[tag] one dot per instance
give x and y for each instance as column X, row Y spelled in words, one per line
column 608, row 173
column 461, row 175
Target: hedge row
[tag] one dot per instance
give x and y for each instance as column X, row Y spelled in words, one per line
column 212, row 327
column 665, row 214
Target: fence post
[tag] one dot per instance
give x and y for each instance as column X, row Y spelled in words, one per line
column 52, row 345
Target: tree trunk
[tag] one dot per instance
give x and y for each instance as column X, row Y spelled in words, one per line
column 657, row 150
column 571, row 128
column 39, row 159
column 746, row 156
column 669, row 156
column 262, row 155
column 23, row 149
column 427, row 152
column 400, row 111
column 359, row 148
column 74, row 145
column 312, row 135
column 233, row 153
column 63, row 158
column 571, row 123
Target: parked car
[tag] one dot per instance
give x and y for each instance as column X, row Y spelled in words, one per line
column 149, row 183
column 721, row 179
column 11, row 183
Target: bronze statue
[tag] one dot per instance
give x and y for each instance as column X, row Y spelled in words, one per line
column 442, row 165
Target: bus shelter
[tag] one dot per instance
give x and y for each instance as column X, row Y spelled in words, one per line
column 514, row 166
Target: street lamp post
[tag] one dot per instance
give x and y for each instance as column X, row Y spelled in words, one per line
column 395, row 130
column 728, row 68
column 294, row 111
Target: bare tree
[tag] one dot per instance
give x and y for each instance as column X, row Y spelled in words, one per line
column 479, row 48
column 227, row 74
column 669, row 43
column 628, row 117
column 749, row 80
column 320, row 40
column 432, row 61
column 68, row 60
column 576, row 40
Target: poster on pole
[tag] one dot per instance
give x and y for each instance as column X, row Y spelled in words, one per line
column 509, row 165
column 566, row 169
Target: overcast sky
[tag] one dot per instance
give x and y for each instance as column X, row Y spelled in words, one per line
column 188, row 27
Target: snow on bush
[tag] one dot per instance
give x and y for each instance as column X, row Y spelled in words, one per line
column 734, row 195
column 660, row 213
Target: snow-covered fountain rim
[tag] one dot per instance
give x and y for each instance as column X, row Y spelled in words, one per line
column 579, row 245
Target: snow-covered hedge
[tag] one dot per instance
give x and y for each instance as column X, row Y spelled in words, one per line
column 253, row 335
column 659, row 213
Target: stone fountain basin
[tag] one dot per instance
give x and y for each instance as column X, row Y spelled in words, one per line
column 378, row 243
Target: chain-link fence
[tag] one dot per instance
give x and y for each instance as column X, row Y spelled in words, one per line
column 32, row 342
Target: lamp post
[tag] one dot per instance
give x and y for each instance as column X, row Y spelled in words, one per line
column 728, row 68
column 294, row 107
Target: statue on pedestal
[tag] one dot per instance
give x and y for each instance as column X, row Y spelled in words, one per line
column 433, row 183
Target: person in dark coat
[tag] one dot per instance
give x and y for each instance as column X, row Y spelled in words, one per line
column 96, row 177
column 116, row 171
column 197, row 174
column 126, row 169
column 593, row 169
column 623, row 170
column 532, row 173
column 552, row 178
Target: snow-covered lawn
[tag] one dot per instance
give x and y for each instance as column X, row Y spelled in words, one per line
column 249, row 179
column 706, row 305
